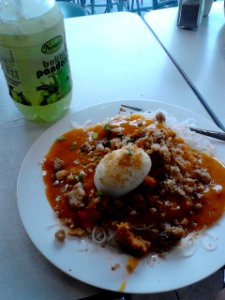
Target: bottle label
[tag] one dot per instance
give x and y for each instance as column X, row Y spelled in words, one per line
column 36, row 66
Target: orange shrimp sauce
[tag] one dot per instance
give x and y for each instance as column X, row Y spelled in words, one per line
column 214, row 201
column 61, row 148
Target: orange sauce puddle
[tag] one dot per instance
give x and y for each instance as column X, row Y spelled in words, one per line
column 132, row 263
column 123, row 286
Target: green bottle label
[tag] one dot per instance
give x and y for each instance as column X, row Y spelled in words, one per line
column 52, row 45
column 36, row 66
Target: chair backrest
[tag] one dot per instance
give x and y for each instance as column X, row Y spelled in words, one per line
column 71, row 10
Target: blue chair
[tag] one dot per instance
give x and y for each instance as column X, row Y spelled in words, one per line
column 108, row 6
column 156, row 4
column 71, row 10
column 164, row 3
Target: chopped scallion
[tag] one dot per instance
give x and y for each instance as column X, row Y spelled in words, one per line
column 95, row 135
column 107, row 127
column 60, row 138
column 129, row 152
column 73, row 146
column 99, row 194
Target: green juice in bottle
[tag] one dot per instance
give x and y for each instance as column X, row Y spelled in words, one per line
column 34, row 58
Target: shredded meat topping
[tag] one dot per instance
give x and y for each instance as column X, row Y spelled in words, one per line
column 130, row 242
column 152, row 217
column 76, row 196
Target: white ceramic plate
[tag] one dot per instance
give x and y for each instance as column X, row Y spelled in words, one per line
column 92, row 264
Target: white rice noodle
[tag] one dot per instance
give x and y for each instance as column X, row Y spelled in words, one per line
column 142, row 228
column 118, row 122
column 187, row 246
column 193, row 139
column 111, row 236
column 118, row 130
column 77, row 125
column 209, row 241
column 99, row 235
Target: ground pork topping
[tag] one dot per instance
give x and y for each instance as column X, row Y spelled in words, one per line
column 76, row 196
column 172, row 198
column 129, row 242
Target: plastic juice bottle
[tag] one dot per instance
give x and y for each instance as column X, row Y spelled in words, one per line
column 34, row 58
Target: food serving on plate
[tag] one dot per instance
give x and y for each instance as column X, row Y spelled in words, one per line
column 136, row 182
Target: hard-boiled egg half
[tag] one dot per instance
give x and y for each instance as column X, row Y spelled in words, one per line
column 122, row 170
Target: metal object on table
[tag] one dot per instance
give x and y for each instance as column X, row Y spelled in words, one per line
column 190, row 13
column 210, row 133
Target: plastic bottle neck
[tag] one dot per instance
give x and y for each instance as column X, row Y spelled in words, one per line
column 17, row 10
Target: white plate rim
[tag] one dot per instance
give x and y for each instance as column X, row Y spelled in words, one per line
column 117, row 277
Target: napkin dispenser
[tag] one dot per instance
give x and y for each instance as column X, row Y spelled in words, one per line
column 190, row 13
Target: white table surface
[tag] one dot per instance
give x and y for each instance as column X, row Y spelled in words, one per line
column 200, row 54
column 113, row 57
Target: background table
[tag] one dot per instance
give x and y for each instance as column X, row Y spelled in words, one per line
column 200, row 54
column 113, row 57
